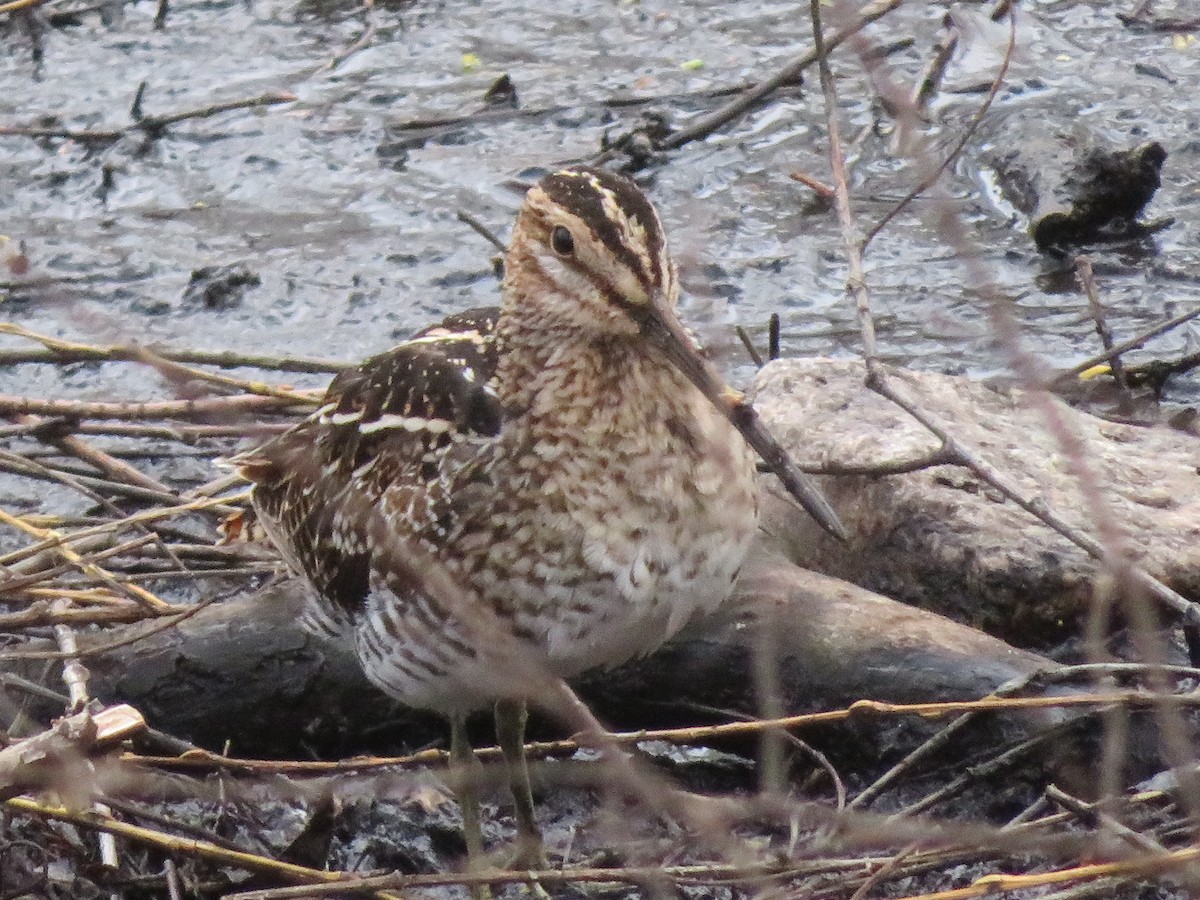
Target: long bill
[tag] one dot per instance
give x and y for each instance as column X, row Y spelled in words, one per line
column 666, row 333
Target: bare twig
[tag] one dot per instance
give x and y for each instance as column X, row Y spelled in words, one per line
column 52, row 539
column 482, row 230
column 695, row 734
column 940, row 456
column 1125, row 346
column 987, row 769
column 152, row 409
column 931, row 79
column 75, row 676
column 183, row 432
column 60, row 352
column 1087, row 281
column 73, row 652
column 137, row 594
column 44, row 613
column 856, row 282
column 19, row 5
column 936, row 172
column 109, row 465
column 822, row 190
column 748, row 345
column 192, row 846
column 1092, row 814
column 939, row 740
column 51, row 758
column 149, row 125
column 744, row 102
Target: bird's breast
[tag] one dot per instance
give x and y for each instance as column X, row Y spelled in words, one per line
column 622, row 518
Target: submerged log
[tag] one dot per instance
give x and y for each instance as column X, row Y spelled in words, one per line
column 1077, row 189
column 942, row 539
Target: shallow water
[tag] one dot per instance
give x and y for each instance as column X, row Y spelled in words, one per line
column 349, row 218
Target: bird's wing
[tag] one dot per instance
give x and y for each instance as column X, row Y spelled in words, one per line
column 396, row 428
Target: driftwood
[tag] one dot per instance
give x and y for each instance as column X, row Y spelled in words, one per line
column 244, row 672
column 57, row 757
column 939, row 538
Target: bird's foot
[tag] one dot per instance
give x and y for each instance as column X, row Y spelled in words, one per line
column 528, row 855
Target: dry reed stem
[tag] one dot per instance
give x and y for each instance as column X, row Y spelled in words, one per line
column 116, row 469
column 174, row 844
column 58, row 542
column 153, row 409
column 56, row 539
column 19, row 5
column 697, row 734
column 1175, row 861
column 166, row 621
column 171, row 363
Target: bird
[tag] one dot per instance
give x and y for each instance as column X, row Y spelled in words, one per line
column 572, row 459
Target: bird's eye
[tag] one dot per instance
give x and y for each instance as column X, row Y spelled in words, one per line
column 561, row 241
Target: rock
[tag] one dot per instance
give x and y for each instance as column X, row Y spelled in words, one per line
column 941, row 539
column 220, row 287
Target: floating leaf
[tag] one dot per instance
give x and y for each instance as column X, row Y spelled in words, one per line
column 1095, row 372
column 12, row 255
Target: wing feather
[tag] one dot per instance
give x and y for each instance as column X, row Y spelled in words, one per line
column 401, row 424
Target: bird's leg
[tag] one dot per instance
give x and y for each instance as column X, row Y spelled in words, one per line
column 462, row 768
column 510, row 732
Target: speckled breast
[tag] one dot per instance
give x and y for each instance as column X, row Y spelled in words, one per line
column 598, row 532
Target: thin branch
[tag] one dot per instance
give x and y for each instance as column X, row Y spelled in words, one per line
column 934, row 176
column 171, row 843
column 152, row 409
column 856, row 281
column 695, row 734
column 18, row 5
column 73, row 652
column 931, row 78
column 1087, row 281
column 482, row 230
column 748, row 345
column 48, row 759
column 137, row 594
column 149, row 125
column 744, row 102
column 1132, row 343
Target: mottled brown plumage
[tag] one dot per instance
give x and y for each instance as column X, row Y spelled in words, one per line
column 573, row 460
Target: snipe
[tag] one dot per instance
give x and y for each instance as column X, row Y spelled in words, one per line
column 572, row 458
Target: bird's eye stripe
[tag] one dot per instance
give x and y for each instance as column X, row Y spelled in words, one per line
column 614, row 215
column 603, row 286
